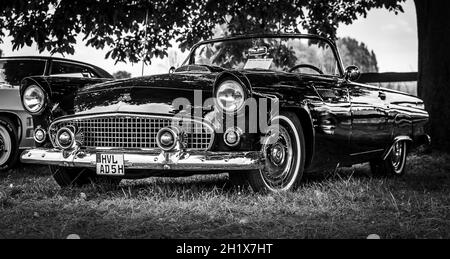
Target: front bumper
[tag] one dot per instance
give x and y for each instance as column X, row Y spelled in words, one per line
column 183, row 161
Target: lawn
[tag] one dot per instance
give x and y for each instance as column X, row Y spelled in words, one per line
column 349, row 203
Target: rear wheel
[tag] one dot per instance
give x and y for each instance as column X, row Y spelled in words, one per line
column 9, row 146
column 394, row 165
column 77, row 177
column 284, row 153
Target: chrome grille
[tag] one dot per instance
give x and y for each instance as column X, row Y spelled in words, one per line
column 134, row 132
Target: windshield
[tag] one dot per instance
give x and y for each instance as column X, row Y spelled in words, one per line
column 289, row 54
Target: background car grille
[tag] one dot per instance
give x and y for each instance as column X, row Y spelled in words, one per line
column 134, row 132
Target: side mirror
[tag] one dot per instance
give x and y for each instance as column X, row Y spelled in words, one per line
column 171, row 70
column 352, row 73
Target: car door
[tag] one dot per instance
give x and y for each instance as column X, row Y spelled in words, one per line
column 332, row 121
column 371, row 130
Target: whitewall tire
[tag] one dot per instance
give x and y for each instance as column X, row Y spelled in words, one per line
column 9, row 146
column 284, row 158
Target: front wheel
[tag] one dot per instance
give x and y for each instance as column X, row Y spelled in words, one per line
column 9, row 147
column 284, row 158
column 78, row 177
column 394, row 165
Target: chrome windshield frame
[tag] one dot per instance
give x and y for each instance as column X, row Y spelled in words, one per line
column 190, row 59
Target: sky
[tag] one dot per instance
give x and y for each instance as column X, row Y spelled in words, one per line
column 392, row 37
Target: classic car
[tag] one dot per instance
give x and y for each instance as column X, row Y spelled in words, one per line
column 264, row 108
column 16, row 126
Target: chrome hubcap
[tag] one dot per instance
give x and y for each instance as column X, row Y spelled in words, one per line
column 279, row 153
column 398, row 156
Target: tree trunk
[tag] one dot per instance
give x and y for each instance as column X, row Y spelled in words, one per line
column 433, row 22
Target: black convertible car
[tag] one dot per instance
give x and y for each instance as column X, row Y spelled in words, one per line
column 264, row 108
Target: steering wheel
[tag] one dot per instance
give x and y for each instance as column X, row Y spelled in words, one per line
column 306, row 66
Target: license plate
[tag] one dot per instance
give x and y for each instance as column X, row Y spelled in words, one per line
column 110, row 164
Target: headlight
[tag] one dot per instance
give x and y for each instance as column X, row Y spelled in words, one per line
column 65, row 138
column 40, row 135
column 232, row 136
column 230, row 96
column 33, row 99
column 166, row 139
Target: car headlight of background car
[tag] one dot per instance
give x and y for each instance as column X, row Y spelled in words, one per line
column 33, row 99
column 40, row 135
column 230, row 96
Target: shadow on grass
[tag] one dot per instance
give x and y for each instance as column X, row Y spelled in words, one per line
column 348, row 203
column 25, row 171
column 426, row 172
column 198, row 184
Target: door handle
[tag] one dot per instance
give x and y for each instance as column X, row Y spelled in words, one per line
column 382, row 96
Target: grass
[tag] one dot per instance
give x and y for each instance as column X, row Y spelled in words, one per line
column 349, row 203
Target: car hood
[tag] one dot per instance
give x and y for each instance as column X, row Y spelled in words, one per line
column 156, row 94
column 151, row 94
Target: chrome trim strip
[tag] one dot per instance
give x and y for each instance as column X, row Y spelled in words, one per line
column 115, row 114
column 367, row 152
column 192, row 161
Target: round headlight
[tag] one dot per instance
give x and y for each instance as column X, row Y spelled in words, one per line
column 39, row 135
column 33, row 99
column 166, row 139
column 65, row 138
column 232, row 136
column 230, row 96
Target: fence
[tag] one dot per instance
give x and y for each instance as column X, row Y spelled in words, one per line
column 405, row 82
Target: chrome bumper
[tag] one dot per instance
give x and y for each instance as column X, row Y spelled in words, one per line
column 192, row 161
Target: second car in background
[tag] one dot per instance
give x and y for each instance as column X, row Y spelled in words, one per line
column 16, row 125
